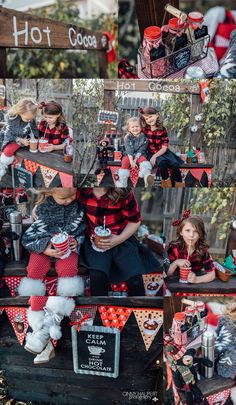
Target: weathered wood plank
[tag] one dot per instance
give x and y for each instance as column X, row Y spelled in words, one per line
column 150, row 302
column 54, row 160
column 214, row 287
column 159, row 86
column 21, row 30
column 3, row 62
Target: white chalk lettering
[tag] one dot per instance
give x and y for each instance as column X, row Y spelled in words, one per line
column 125, row 86
column 35, row 33
column 87, row 41
column 171, row 88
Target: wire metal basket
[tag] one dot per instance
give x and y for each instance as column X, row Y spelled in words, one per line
column 185, row 338
column 175, row 61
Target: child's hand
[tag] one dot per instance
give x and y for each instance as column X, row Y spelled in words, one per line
column 52, row 252
column 49, row 148
column 109, row 243
column 182, row 263
column 153, row 160
column 133, row 165
column 192, row 278
column 24, row 141
column 73, row 244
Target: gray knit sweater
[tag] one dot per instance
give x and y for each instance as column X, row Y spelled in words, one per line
column 16, row 128
column 136, row 145
column 54, row 218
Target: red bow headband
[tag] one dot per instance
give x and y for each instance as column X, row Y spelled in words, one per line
column 186, row 214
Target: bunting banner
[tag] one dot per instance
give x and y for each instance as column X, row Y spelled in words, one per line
column 18, row 318
column 12, row 283
column 51, row 285
column 48, row 175
column 152, row 283
column 114, row 317
column 220, row 398
column 87, row 312
column 66, row 179
column 100, row 177
column 149, row 322
column 31, row 166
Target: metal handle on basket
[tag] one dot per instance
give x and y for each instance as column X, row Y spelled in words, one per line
column 188, row 302
column 176, row 12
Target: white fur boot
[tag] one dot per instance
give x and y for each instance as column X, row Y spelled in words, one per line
column 55, row 310
column 46, row 355
column 145, row 173
column 35, row 319
column 31, row 287
column 5, row 161
column 70, row 286
column 123, row 178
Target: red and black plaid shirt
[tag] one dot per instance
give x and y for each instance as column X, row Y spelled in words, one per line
column 55, row 136
column 157, row 139
column 117, row 215
column 197, row 260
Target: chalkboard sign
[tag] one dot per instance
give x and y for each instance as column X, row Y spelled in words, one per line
column 180, row 42
column 96, row 350
column 157, row 53
column 21, row 177
column 201, row 32
column 182, row 58
column 108, row 117
column 194, row 332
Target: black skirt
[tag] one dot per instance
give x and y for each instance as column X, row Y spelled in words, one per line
column 170, row 157
column 122, row 262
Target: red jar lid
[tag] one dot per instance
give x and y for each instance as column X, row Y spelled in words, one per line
column 153, row 32
column 195, row 17
column 179, row 316
column 200, row 304
column 176, row 24
column 189, row 310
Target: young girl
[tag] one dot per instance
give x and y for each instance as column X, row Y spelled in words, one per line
column 123, row 258
column 20, row 127
column 57, row 211
column 225, row 343
column 160, row 155
column 53, row 126
column 191, row 250
column 136, row 145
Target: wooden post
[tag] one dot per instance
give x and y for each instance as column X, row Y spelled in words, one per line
column 103, row 65
column 3, row 63
column 151, row 12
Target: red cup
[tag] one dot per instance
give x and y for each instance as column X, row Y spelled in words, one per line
column 42, row 145
column 117, row 156
column 184, row 272
column 61, row 246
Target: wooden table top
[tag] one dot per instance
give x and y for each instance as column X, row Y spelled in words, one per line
column 216, row 286
column 54, row 159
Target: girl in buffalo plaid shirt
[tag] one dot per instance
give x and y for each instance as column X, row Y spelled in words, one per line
column 53, row 126
column 122, row 257
column 191, row 250
column 159, row 153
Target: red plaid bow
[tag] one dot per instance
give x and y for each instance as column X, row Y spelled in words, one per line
column 80, row 322
column 186, row 214
column 126, row 71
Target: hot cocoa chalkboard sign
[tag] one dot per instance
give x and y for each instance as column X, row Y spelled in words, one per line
column 108, row 117
column 182, row 58
column 96, row 350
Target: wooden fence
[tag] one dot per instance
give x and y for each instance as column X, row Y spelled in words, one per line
column 43, row 90
column 21, row 30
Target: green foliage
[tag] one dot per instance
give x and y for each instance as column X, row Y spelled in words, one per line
column 176, row 112
column 218, row 203
column 55, row 63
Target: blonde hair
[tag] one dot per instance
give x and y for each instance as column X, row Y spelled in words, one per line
column 23, row 106
column 230, row 311
column 129, row 121
column 63, row 192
